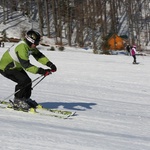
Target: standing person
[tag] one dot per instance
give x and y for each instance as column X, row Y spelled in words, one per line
column 128, row 48
column 14, row 64
column 133, row 54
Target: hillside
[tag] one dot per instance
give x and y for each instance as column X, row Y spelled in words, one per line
column 82, row 29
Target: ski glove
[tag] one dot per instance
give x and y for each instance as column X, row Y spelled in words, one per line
column 44, row 72
column 52, row 66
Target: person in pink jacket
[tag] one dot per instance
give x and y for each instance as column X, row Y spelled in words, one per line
column 133, row 54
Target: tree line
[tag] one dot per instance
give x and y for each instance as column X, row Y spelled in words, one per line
column 82, row 21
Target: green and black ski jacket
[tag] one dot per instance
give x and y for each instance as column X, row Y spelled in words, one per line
column 17, row 57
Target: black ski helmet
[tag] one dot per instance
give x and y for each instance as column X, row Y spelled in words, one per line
column 33, row 37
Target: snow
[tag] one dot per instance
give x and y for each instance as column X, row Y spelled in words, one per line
column 109, row 94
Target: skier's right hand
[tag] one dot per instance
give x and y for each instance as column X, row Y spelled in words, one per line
column 44, row 72
column 47, row 72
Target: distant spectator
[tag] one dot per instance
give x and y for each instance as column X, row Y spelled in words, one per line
column 2, row 44
column 128, row 48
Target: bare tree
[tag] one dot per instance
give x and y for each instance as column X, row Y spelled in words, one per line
column 4, row 12
column 47, row 8
column 40, row 12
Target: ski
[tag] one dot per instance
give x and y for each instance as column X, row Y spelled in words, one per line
column 41, row 111
column 58, row 111
column 54, row 113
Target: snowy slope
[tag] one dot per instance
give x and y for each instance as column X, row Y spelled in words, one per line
column 109, row 94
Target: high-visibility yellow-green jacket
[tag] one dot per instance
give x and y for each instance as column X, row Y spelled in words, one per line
column 17, row 57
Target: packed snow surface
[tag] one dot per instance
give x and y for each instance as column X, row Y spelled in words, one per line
column 110, row 95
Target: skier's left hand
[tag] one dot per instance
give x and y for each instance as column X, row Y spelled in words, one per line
column 52, row 66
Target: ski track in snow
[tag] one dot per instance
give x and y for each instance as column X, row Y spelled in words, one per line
column 109, row 94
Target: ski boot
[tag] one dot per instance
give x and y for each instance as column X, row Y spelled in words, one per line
column 33, row 103
column 21, row 104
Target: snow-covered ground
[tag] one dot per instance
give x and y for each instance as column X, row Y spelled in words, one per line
column 110, row 95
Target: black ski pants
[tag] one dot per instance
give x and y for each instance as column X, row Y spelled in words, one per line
column 134, row 58
column 24, row 83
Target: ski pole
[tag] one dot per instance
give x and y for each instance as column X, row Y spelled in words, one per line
column 23, row 87
column 38, row 82
column 41, row 80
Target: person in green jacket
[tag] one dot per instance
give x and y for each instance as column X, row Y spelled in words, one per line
column 15, row 63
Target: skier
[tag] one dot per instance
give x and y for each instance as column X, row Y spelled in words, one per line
column 133, row 54
column 14, row 64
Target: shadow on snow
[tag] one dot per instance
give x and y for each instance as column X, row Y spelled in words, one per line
column 80, row 106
